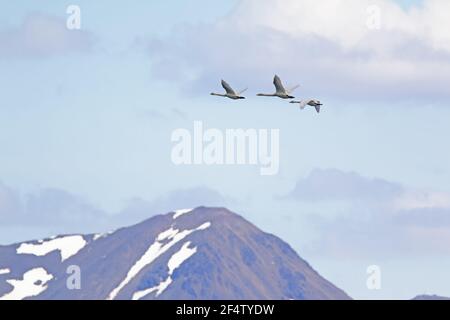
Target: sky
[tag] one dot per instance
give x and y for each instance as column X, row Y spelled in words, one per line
column 86, row 118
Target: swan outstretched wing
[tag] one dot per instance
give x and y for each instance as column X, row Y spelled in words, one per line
column 278, row 85
column 317, row 108
column 292, row 89
column 242, row 91
column 304, row 103
column 227, row 88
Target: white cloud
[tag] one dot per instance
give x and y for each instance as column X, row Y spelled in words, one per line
column 373, row 217
column 345, row 21
column 336, row 185
column 42, row 36
column 325, row 45
column 139, row 209
column 422, row 200
column 55, row 211
column 10, row 203
column 47, row 206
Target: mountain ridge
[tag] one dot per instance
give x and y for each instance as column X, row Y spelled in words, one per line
column 433, row 297
column 201, row 253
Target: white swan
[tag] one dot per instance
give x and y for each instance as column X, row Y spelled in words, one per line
column 281, row 92
column 310, row 102
column 230, row 93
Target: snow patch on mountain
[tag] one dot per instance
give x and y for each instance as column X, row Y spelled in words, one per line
column 168, row 234
column 98, row 236
column 174, row 262
column 4, row 271
column 159, row 289
column 181, row 256
column 179, row 213
column 154, row 251
column 33, row 283
column 102, row 235
column 204, row 226
column 67, row 246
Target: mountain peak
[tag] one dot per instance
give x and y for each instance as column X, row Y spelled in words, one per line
column 201, row 253
column 212, row 213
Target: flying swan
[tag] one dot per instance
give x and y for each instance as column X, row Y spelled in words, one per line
column 230, row 93
column 281, row 92
column 310, row 102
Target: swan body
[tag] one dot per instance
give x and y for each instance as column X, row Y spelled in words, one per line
column 280, row 92
column 230, row 93
column 309, row 102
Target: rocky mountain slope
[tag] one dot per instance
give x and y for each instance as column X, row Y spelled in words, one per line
column 204, row 253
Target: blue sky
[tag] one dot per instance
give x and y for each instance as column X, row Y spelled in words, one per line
column 85, row 127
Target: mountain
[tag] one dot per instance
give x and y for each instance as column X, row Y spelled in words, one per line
column 430, row 297
column 204, row 253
